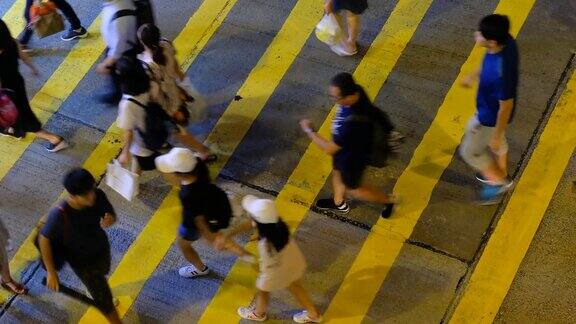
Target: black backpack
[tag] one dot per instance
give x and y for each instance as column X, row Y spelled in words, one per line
column 381, row 129
column 157, row 133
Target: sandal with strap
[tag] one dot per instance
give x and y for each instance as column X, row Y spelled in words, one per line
column 14, row 287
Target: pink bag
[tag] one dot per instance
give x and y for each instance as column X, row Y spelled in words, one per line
column 8, row 110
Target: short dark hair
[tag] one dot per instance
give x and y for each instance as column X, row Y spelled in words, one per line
column 133, row 77
column 345, row 82
column 79, row 182
column 495, row 27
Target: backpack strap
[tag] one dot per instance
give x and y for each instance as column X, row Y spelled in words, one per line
column 138, row 103
column 123, row 13
column 62, row 208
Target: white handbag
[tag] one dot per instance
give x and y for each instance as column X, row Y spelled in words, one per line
column 123, row 181
column 328, row 30
column 198, row 108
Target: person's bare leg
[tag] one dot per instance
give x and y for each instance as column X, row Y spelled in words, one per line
column 190, row 254
column 262, row 298
column 494, row 174
column 353, row 22
column 304, row 299
column 502, row 161
column 338, row 187
column 371, row 194
column 50, row 137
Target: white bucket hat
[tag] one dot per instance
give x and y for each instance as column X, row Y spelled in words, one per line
column 262, row 211
column 179, row 160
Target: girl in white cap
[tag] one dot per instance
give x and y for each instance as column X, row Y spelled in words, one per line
column 205, row 209
column 282, row 264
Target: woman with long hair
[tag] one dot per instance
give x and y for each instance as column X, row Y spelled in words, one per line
column 12, row 81
column 159, row 57
column 282, row 264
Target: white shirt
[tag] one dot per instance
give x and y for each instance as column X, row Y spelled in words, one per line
column 132, row 117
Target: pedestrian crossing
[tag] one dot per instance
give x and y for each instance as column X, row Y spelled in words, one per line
column 386, row 238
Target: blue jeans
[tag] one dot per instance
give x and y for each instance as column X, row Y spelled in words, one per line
column 62, row 5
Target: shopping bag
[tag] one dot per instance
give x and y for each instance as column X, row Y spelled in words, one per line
column 45, row 18
column 197, row 106
column 328, row 30
column 123, row 181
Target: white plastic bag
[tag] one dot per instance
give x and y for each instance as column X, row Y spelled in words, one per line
column 328, row 30
column 123, row 181
column 199, row 107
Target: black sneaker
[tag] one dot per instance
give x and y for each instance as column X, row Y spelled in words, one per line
column 328, row 204
column 57, row 147
column 10, row 132
column 387, row 211
column 25, row 48
column 72, row 34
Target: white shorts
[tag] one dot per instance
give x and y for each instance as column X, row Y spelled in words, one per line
column 475, row 149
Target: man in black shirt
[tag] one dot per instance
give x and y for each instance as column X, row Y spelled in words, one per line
column 205, row 209
column 350, row 147
column 74, row 233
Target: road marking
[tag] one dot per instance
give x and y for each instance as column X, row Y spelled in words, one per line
column 313, row 169
column 158, row 235
column 191, row 40
column 437, row 147
column 55, row 91
column 14, row 17
column 509, row 243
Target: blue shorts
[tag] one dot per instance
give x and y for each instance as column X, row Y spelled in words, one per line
column 189, row 234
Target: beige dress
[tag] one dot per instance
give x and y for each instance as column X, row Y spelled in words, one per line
column 279, row 269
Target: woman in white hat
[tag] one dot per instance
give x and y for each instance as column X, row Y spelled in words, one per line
column 282, row 264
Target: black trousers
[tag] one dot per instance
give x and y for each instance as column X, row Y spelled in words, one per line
column 62, row 5
column 98, row 288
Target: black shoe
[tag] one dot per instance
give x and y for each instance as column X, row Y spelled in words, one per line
column 25, row 48
column 10, row 132
column 387, row 211
column 72, row 34
column 328, row 204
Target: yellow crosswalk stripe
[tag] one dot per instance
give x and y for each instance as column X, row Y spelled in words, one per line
column 55, row 91
column 14, row 17
column 191, row 40
column 157, row 236
column 509, row 243
column 310, row 175
column 437, row 147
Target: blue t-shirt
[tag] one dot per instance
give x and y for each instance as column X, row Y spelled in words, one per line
column 353, row 137
column 498, row 82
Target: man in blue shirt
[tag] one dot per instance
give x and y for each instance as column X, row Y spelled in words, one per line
column 350, row 147
column 484, row 145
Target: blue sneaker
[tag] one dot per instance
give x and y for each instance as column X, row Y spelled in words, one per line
column 492, row 194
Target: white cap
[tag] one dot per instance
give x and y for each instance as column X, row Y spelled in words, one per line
column 262, row 211
column 179, row 160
